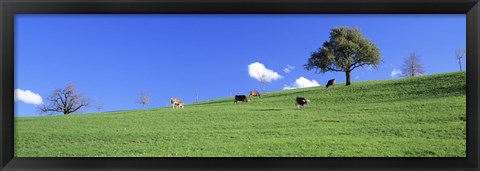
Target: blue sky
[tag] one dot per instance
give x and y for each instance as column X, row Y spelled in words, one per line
column 112, row 58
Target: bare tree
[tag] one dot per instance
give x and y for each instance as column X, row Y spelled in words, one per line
column 196, row 94
column 412, row 66
column 262, row 80
column 144, row 99
column 65, row 100
column 99, row 106
column 459, row 53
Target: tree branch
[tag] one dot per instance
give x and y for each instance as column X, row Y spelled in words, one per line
column 331, row 69
column 82, row 105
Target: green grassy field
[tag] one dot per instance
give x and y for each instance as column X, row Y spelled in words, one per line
column 413, row 117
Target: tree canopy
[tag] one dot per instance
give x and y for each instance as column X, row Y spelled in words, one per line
column 346, row 50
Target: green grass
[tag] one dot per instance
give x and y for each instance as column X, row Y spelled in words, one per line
column 413, row 117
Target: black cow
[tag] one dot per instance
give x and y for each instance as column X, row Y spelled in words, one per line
column 301, row 102
column 242, row 98
column 330, row 83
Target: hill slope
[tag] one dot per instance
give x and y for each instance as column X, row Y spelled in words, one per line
column 414, row 117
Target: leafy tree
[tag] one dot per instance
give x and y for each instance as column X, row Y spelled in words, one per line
column 412, row 66
column 66, row 101
column 346, row 50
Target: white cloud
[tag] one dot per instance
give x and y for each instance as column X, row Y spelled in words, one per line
column 288, row 69
column 395, row 73
column 28, row 97
column 301, row 82
column 260, row 72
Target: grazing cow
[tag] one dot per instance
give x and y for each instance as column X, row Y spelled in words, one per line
column 330, row 83
column 242, row 98
column 301, row 102
column 255, row 93
column 176, row 102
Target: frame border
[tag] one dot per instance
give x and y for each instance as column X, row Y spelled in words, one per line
column 9, row 8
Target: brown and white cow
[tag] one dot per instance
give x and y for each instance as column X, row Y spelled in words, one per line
column 255, row 93
column 176, row 102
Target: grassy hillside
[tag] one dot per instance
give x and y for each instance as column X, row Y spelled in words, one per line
column 414, row 117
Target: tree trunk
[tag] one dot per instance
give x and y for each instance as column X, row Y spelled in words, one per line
column 413, row 69
column 263, row 88
column 196, row 95
column 460, row 64
column 347, row 74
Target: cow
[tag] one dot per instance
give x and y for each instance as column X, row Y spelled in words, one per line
column 301, row 102
column 176, row 102
column 331, row 83
column 255, row 93
column 242, row 98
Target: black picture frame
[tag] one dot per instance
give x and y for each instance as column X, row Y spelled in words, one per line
column 8, row 8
